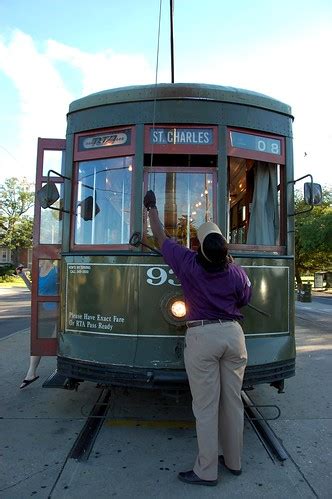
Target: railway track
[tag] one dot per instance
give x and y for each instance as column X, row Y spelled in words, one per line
column 263, row 430
column 99, row 414
column 83, row 445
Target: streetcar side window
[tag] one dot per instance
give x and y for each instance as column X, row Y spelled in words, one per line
column 48, row 285
column 185, row 201
column 51, row 221
column 48, row 277
column 254, row 197
column 103, row 201
column 53, row 160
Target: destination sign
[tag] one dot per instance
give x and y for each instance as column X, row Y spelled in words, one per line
column 116, row 138
column 183, row 136
column 255, row 143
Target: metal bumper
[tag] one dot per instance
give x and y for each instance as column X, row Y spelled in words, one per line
column 268, row 373
column 107, row 374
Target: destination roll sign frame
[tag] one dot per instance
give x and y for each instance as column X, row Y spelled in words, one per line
column 113, row 138
column 181, row 136
column 256, row 143
column 256, row 146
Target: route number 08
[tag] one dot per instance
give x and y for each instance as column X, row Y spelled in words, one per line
column 262, row 146
column 158, row 276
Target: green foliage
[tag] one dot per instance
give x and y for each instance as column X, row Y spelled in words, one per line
column 6, row 270
column 16, row 199
column 22, row 235
column 313, row 236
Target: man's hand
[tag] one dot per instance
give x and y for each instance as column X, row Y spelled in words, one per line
column 150, row 200
column 19, row 270
column 156, row 227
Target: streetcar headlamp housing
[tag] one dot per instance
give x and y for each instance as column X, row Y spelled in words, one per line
column 173, row 309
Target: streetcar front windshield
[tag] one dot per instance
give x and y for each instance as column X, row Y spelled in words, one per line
column 103, row 201
column 185, row 201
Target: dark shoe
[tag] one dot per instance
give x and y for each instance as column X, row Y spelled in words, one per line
column 191, row 477
column 222, row 462
column 27, row 382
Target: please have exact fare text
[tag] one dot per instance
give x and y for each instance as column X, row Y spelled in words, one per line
column 94, row 321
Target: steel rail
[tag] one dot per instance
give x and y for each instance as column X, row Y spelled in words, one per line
column 269, row 439
column 83, row 445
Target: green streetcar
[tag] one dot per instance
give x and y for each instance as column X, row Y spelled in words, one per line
column 210, row 153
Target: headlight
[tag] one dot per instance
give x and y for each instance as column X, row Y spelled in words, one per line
column 178, row 309
column 173, row 308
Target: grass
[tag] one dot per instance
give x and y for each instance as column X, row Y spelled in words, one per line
column 16, row 282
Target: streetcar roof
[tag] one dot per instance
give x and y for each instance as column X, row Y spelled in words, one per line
column 173, row 91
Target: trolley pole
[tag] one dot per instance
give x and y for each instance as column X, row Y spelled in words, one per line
column 172, row 38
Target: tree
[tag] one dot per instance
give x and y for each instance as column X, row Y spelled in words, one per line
column 313, row 236
column 16, row 199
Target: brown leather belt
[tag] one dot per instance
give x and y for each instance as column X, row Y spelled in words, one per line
column 205, row 321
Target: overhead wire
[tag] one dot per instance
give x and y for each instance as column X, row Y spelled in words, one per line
column 155, row 89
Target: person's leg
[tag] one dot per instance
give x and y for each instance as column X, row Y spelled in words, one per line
column 202, row 366
column 34, row 363
column 31, row 374
column 231, row 418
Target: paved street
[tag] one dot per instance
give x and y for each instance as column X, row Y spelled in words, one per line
column 148, row 436
column 15, row 310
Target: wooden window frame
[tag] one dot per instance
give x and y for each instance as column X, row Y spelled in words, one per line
column 266, row 158
column 99, row 247
column 173, row 169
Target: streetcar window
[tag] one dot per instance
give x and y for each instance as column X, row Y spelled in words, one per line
column 48, row 285
column 48, row 313
column 185, row 201
column 53, row 160
column 181, row 160
column 254, row 197
column 51, row 222
column 103, row 201
column 48, row 277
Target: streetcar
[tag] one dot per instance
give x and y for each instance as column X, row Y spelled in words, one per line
column 209, row 153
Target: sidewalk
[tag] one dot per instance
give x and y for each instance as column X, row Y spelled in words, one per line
column 38, row 427
column 321, row 292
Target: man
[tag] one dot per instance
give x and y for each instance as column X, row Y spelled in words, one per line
column 215, row 353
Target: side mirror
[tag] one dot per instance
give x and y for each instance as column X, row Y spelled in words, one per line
column 87, row 208
column 313, row 194
column 48, row 194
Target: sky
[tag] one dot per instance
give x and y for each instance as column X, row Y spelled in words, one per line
column 53, row 52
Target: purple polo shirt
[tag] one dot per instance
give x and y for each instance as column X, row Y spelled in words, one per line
column 217, row 295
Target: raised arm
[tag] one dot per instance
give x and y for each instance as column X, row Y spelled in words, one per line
column 156, row 226
column 22, row 274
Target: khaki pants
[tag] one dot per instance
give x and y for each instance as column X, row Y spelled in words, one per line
column 215, row 358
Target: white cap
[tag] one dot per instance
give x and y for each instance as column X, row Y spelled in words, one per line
column 204, row 230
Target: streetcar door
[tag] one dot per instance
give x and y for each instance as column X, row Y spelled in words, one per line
column 47, row 237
